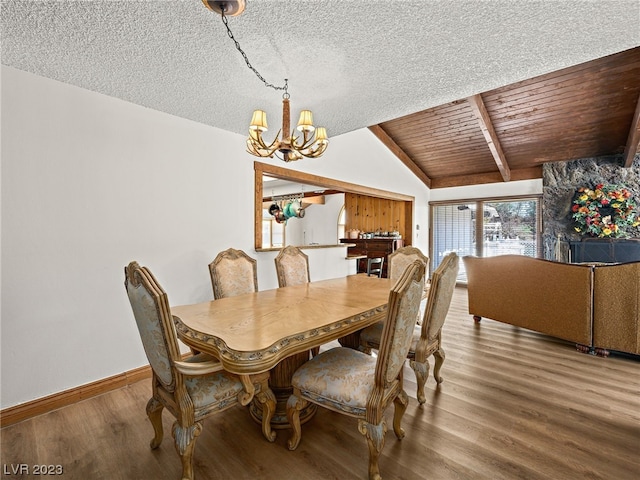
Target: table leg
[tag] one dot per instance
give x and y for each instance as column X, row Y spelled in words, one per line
column 280, row 383
column 351, row 341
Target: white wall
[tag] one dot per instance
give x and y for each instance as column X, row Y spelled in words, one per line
column 90, row 183
column 319, row 226
column 489, row 190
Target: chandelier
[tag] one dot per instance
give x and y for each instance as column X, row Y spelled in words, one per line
column 311, row 141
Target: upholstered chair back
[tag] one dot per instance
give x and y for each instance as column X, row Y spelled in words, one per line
column 443, row 283
column 155, row 324
column 233, row 272
column 399, row 260
column 397, row 333
column 292, row 267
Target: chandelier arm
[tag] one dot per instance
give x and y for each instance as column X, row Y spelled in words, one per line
column 251, row 149
column 315, row 149
column 307, row 141
column 321, row 149
column 258, row 152
column 258, row 138
column 256, row 144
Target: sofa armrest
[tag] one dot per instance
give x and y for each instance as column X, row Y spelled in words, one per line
column 616, row 307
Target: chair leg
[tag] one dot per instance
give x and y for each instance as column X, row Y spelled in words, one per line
column 294, row 405
column 422, row 372
column 154, row 412
column 401, row 402
column 375, row 441
column 439, row 356
column 185, row 442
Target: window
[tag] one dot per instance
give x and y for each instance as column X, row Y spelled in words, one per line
column 342, row 218
column 273, row 233
column 506, row 226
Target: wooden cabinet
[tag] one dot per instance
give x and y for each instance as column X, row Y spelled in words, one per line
column 373, row 214
column 371, row 248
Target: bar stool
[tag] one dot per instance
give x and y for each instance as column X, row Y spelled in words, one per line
column 374, row 266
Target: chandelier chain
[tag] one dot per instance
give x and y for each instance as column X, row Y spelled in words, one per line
column 246, row 59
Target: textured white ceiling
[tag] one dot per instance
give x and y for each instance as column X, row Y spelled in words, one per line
column 354, row 63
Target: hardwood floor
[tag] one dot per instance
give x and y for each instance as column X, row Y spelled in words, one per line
column 514, row 405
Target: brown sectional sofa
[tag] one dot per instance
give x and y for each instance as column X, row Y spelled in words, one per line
column 595, row 306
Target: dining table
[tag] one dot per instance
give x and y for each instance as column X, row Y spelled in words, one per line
column 275, row 330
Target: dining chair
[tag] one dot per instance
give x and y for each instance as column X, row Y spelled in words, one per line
column 233, row 272
column 374, row 266
column 353, row 383
column 292, row 267
column 192, row 388
column 401, row 258
column 427, row 338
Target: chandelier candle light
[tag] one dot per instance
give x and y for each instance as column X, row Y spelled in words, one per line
column 288, row 147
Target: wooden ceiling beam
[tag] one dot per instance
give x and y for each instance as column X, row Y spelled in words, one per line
column 306, row 201
column 379, row 132
column 633, row 140
column 480, row 111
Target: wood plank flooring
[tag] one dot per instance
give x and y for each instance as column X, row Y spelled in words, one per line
column 514, row 405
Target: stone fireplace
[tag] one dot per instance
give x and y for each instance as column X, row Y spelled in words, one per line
column 560, row 181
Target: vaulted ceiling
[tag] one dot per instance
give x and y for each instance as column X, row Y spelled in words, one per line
column 462, row 92
column 589, row 110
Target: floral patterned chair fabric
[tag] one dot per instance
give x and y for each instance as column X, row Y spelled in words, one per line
column 427, row 338
column 292, row 267
column 400, row 259
column 351, row 382
column 190, row 389
column 233, row 272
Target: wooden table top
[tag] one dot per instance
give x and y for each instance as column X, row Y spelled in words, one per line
column 251, row 333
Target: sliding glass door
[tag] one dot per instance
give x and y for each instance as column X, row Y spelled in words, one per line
column 504, row 226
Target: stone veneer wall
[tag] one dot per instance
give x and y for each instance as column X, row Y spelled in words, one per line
column 560, row 180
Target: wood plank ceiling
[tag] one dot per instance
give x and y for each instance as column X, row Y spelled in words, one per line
column 588, row 110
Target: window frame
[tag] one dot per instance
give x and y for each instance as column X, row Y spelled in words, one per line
column 479, row 226
column 273, row 225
